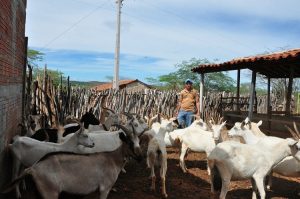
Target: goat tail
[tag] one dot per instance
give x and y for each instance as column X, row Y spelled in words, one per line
column 14, row 183
column 216, row 179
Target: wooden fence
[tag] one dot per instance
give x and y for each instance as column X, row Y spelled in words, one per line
column 58, row 102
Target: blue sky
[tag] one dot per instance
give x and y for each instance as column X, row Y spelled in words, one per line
column 79, row 39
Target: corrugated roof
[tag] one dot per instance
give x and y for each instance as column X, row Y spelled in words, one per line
column 122, row 83
column 274, row 65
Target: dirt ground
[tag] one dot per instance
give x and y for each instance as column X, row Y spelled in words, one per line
column 135, row 184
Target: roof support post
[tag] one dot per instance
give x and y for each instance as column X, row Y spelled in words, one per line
column 289, row 93
column 269, row 108
column 201, row 94
column 252, row 95
column 238, row 85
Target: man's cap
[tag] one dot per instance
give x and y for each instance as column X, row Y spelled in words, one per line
column 188, row 81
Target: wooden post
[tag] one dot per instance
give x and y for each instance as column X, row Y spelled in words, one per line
column 252, row 95
column 201, row 94
column 269, row 108
column 289, row 93
column 237, row 105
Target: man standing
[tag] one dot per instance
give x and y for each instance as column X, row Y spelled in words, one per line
column 188, row 104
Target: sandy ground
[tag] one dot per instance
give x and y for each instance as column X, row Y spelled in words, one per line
column 135, row 184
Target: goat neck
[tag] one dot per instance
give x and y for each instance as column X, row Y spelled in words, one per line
column 279, row 152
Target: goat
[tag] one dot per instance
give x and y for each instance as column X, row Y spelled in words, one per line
column 222, row 134
column 27, row 151
column 91, row 123
column 198, row 140
column 236, row 161
column 157, row 154
column 172, row 138
column 287, row 167
column 108, row 140
column 66, row 173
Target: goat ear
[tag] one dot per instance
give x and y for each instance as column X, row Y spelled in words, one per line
column 123, row 137
column 224, row 123
column 243, row 124
column 176, row 121
column 259, row 123
column 247, row 120
column 291, row 142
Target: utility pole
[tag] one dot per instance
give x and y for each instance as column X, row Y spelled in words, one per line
column 117, row 50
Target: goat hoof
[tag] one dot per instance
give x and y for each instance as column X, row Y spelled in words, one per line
column 123, row 170
column 165, row 195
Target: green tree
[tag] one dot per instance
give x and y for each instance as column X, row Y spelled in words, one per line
column 34, row 56
column 219, row 81
column 55, row 75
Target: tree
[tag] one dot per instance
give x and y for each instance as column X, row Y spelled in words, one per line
column 55, row 75
column 34, row 56
column 219, row 81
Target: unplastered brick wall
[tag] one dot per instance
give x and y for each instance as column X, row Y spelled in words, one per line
column 12, row 62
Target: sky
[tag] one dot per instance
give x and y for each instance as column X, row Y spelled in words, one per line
column 78, row 36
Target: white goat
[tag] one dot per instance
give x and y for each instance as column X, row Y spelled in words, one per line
column 27, row 151
column 172, row 138
column 236, row 161
column 157, row 153
column 108, row 140
column 65, row 172
column 289, row 166
column 197, row 140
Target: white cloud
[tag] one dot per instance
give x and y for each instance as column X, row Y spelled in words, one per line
column 173, row 30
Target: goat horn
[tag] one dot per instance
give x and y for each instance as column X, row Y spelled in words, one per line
column 109, row 109
column 296, row 129
column 291, row 131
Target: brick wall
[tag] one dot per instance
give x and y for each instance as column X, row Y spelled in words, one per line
column 12, row 61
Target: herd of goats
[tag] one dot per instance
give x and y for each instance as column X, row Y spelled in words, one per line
column 54, row 157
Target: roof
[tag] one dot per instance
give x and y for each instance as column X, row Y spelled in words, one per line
column 274, row 65
column 122, row 84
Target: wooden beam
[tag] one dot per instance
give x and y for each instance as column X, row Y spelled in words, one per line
column 201, row 94
column 252, row 95
column 289, row 93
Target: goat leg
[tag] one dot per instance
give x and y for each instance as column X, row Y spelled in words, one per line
column 153, row 178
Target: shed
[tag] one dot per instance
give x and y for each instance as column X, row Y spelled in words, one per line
column 285, row 64
column 129, row 85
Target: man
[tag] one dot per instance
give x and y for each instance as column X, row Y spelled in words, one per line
column 188, row 104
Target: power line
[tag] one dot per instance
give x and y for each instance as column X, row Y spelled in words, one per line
column 75, row 24
column 186, row 20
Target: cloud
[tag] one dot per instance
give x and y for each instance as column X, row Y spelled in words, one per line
column 156, row 35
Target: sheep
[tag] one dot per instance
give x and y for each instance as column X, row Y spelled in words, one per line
column 235, row 161
column 27, row 151
column 198, row 140
column 287, row 167
column 157, row 154
column 66, row 173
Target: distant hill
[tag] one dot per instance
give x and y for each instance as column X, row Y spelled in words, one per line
column 86, row 84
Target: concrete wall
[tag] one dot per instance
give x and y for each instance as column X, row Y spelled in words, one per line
column 12, row 62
